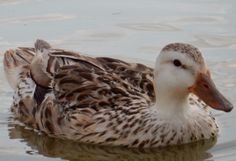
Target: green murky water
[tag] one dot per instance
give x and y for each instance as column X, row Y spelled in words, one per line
column 133, row 30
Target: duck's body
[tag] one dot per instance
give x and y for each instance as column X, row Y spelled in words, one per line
column 108, row 101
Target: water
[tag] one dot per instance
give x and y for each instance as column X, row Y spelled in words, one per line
column 133, row 30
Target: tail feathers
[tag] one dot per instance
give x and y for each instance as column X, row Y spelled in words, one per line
column 14, row 61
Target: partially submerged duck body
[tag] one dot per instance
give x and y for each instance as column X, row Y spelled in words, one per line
column 111, row 102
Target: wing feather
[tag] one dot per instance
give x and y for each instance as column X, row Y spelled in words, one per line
column 94, row 88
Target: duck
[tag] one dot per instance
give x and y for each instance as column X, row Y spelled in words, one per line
column 111, row 102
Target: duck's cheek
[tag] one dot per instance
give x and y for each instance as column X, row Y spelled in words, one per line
column 183, row 79
column 206, row 90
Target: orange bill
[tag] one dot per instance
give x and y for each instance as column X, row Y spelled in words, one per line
column 206, row 90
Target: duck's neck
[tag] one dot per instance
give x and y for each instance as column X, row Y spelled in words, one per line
column 171, row 102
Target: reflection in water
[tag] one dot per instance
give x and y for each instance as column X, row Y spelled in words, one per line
column 73, row 151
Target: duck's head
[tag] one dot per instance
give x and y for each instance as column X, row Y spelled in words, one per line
column 180, row 70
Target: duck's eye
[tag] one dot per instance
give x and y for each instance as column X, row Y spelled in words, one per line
column 177, row 63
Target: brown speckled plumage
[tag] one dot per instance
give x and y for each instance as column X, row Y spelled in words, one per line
column 102, row 101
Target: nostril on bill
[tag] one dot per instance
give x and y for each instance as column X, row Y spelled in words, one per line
column 206, row 86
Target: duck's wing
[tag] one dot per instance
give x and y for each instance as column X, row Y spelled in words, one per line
column 95, row 89
column 137, row 75
column 65, row 57
column 48, row 60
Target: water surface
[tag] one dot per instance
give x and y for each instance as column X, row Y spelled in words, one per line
column 133, row 30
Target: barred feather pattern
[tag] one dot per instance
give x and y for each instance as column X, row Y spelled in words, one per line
column 137, row 75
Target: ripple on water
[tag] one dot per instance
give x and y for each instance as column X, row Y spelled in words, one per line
column 91, row 35
column 154, row 27
column 36, row 18
column 224, row 151
column 199, row 20
column 12, row 2
column 226, row 70
column 215, row 40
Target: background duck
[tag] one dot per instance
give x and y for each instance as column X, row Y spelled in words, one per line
column 110, row 102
